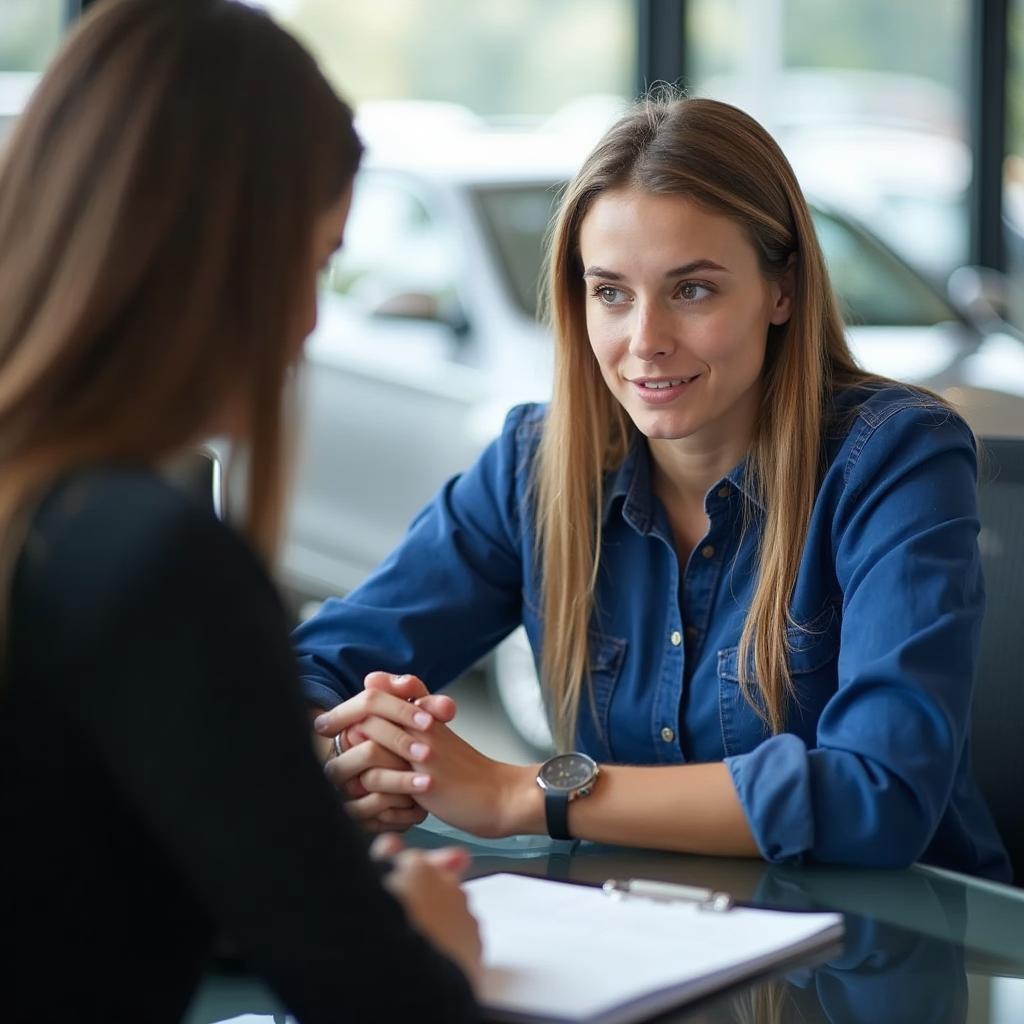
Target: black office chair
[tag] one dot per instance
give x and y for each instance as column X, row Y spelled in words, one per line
column 998, row 716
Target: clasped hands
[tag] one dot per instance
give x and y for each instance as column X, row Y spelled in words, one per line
column 399, row 761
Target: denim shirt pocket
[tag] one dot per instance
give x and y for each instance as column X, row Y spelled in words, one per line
column 813, row 648
column 607, row 654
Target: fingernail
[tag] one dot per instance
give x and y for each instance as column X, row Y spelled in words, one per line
column 420, row 781
column 320, row 722
column 419, row 751
column 421, row 719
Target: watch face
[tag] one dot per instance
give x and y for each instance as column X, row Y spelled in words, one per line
column 568, row 771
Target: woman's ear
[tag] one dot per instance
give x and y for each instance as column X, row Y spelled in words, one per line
column 782, row 293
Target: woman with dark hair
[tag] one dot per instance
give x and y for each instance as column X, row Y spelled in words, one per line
column 748, row 569
column 166, row 201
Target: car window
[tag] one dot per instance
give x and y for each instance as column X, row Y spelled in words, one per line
column 516, row 219
column 875, row 288
column 398, row 245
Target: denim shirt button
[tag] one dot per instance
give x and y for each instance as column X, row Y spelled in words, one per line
column 723, row 492
column 675, row 638
column 708, row 551
column 667, row 734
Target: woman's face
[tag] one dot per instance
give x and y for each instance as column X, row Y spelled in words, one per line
column 327, row 237
column 678, row 314
column 328, row 234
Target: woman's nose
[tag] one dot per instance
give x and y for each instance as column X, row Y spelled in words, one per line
column 652, row 332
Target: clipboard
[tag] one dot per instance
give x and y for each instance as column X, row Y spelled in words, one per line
column 562, row 952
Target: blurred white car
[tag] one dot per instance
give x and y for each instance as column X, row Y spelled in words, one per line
column 429, row 332
column 889, row 148
column 15, row 89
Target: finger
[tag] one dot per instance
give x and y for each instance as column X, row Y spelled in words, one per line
column 393, row 820
column 387, row 780
column 353, row 789
column 351, row 763
column 373, row 804
column 440, row 706
column 403, row 818
column 454, row 860
column 377, row 827
column 372, row 702
column 406, row 686
column 410, row 859
column 385, row 846
column 408, row 746
column 351, row 737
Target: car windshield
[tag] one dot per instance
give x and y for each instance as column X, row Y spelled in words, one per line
column 516, row 218
column 874, row 287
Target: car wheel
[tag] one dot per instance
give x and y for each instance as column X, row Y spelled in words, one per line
column 513, row 680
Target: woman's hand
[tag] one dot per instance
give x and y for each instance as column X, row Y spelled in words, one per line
column 426, row 883
column 390, row 808
column 476, row 793
column 409, row 688
column 377, row 783
column 462, row 786
column 407, row 762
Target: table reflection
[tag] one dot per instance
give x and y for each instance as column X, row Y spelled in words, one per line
column 919, row 947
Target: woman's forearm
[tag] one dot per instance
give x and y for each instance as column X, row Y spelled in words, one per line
column 687, row 808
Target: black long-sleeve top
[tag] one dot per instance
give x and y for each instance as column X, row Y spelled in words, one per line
column 158, row 787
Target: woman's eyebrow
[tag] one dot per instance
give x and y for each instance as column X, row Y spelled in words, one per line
column 687, row 268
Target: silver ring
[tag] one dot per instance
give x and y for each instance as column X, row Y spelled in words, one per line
column 336, row 743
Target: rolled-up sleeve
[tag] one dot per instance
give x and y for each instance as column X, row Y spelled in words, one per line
column 447, row 594
column 873, row 789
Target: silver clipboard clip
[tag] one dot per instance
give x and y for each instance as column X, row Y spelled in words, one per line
column 668, row 892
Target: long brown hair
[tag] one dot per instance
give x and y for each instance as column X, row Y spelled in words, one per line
column 158, row 199
column 719, row 157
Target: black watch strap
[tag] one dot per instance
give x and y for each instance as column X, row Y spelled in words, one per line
column 556, row 811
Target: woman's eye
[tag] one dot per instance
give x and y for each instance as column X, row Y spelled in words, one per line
column 690, row 291
column 607, row 294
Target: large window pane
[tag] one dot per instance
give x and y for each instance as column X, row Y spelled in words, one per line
column 519, row 59
column 1013, row 167
column 871, row 117
column 29, row 33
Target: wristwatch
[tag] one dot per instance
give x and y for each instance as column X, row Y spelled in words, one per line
column 564, row 777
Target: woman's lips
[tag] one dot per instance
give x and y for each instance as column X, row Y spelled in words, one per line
column 659, row 390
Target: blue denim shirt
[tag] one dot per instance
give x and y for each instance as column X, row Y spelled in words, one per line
column 873, row 768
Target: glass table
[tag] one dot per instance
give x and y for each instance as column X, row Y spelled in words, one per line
column 920, row 944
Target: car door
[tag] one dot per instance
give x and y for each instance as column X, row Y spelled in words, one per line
column 389, row 384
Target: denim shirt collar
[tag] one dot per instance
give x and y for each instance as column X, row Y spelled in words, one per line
column 631, row 484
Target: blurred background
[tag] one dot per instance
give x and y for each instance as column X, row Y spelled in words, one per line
column 904, row 122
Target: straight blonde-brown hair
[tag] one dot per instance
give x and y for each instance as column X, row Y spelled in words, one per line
column 157, row 204
column 715, row 155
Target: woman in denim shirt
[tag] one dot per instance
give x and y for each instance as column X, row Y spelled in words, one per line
column 749, row 570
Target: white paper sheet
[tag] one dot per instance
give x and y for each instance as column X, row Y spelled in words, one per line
column 569, row 952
